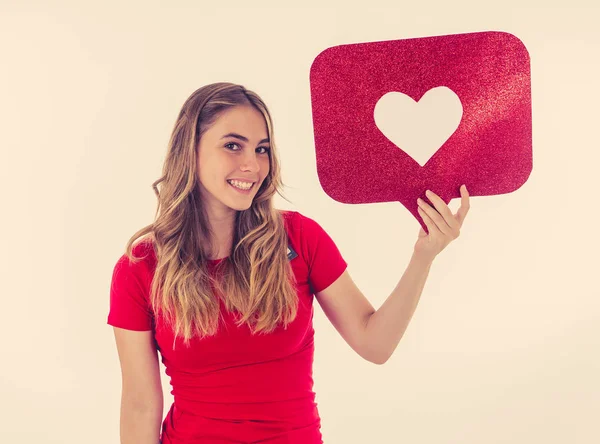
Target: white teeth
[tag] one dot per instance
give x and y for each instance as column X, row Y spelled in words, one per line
column 241, row 185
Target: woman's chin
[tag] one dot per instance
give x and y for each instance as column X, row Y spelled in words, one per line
column 240, row 206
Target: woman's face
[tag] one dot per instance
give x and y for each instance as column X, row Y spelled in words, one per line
column 233, row 160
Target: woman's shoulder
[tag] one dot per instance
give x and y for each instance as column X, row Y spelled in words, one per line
column 144, row 253
column 293, row 219
column 288, row 215
column 293, row 214
column 300, row 225
column 297, row 219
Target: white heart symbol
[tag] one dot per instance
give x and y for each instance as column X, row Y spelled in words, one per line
column 419, row 128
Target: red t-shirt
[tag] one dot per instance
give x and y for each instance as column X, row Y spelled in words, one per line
column 235, row 387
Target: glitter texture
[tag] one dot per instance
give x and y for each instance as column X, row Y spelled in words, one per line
column 490, row 151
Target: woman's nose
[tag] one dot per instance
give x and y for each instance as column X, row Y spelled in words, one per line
column 250, row 163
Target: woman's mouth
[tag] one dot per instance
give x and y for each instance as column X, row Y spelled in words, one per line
column 242, row 187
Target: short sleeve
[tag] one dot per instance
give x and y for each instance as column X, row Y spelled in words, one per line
column 129, row 296
column 325, row 262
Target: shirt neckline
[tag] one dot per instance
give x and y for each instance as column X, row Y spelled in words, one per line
column 216, row 261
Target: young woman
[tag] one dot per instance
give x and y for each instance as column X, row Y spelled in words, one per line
column 222, row 285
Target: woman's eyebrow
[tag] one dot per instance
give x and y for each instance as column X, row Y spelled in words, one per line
column 240, row 137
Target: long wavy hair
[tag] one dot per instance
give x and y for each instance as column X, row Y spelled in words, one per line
column 256, row 279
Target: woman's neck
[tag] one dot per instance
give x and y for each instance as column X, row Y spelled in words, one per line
column 222, row 231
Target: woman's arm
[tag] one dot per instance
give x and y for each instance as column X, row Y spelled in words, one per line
column 374, row 335
column 387, row 325
column 138, row 426
column 142, row 395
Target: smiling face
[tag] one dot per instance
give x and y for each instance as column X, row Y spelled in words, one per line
column 233, row 161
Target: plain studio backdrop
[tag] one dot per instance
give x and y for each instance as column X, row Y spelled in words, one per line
column 504, row 344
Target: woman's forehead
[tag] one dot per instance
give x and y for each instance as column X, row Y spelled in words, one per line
column 240, row 120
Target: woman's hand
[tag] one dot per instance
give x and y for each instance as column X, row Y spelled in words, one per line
column 443, row 226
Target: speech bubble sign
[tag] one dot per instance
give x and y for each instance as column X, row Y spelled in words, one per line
column 469, row 94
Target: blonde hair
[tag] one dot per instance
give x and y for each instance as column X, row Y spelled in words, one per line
column 256, row 278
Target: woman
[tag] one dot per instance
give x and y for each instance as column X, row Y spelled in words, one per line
column 222, row 284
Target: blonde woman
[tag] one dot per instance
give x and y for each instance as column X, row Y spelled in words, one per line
column 221, row 284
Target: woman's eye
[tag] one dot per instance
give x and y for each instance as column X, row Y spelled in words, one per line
column 231, row 146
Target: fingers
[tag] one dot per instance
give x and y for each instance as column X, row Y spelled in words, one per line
column 431, row 225
column 464, row 204
column 443, row 217
column 446, row 222
column 433, row 216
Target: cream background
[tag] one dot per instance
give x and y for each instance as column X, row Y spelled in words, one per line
column 504, row 344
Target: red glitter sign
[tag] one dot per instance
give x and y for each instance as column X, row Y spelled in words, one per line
column 484, row 78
